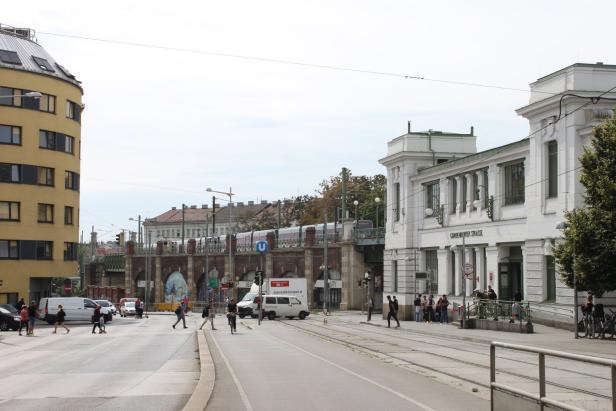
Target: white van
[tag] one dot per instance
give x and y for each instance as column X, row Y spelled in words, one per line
column 284, row 306
column 76, row 308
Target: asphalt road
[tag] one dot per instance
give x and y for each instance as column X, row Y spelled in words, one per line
column 137, row 365
column 277, row 367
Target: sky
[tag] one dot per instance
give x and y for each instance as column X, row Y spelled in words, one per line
column 162, row 125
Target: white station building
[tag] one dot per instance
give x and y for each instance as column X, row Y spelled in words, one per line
column 494, row 213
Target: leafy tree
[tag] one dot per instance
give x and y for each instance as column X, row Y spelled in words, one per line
column 590, row 235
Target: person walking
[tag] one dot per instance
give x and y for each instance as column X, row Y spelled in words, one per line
column 138, row 308
column 181, row 314
column 430, row 309
column 396, row 306
column 60, row 316
column 23, row 319
column 424, row 307
column 32, row 314
column 370, row 308
column 444, row 305
column 392, row 313
column 96, row 320
column 418, row 309
column 208, row 315
column 231, row 314
column 437, row 311
column 20, row 304
column 491, row 293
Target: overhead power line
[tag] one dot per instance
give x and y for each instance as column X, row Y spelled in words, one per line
column 291, row 62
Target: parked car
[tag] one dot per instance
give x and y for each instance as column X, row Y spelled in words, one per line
column 284, row 306
column 9, row 318
column 107, row 308
column 76, row 308
column 127, row 308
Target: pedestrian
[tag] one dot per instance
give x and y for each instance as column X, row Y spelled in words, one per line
column 101, row 323
column 517, row 296
column 437, row 311
column 96, row 320
column 179, row 312
column 231, row 314
column 60, row 316
column 32, row 314
column 20, row 304
column 418, row 309
column 138, row 309
column 444, row 305
column 424, row 308
column 392, row 313
column 23, row 319
column 430, row 308
column 396, row 306
column 208, row 315
column 370, row 308
column 491, row 293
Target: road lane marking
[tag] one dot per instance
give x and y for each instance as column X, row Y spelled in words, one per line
column 243, row 395
column 353, row 373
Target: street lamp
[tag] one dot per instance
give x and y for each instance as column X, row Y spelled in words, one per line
column 230, row 194
column 563, row 226
column 377, row 200
column 139, row 239
column 356, row 203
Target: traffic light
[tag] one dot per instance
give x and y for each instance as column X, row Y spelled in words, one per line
column 117, row 241
column 259, row 277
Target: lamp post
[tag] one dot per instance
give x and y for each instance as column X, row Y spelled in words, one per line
column 356, row 203
column 230, row 194
column 377, row 200
column 139, row 233
column 562, row 226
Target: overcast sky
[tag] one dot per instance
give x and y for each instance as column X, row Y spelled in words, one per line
column 160, row 126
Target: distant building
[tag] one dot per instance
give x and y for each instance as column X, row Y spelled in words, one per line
column 504, row 202
column 40, row 151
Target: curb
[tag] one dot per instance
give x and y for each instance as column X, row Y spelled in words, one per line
column 429, row 334
column 203, row 391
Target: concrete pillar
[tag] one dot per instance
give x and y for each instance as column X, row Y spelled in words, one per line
column 458, row 271
column 469, row 193
column 352, row 271
column 269, row 265
column 190, row 275
column 482, row 190
column 158, row 283
column 480, row 270
column 468, row 258
column 492, row 256
column 308, row 273
column 444, row 271
column 458, row 194
column 128, row 276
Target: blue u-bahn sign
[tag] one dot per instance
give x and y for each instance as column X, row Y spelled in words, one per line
column 261, row 246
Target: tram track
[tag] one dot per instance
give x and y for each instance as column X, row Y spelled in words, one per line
column 365, row 348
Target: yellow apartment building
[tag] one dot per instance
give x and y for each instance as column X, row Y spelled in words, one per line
column 40, row 150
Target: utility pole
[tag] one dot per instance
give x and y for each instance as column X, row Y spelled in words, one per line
column 279, row 214
column 148, row 260
column 213, row 216
column 206, row 265
column 325, row 269
column 140, row 233
column 345, row 177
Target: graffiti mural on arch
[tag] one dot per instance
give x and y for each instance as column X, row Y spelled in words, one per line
column 175, row 288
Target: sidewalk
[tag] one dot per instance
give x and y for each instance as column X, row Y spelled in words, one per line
column 546, row 337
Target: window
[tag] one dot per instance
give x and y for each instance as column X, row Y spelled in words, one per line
column 44, row 250
column 9, row 210
column 454, row 194
column 9, row 173
column 71, row 180
column 10, row 57
column 70, row 251
column 45, row 213
column 396, row 210
column 45, row 176
column 475, row 186
column 10, row 97
column 432, row 271
column 552, row 169
column 47, row 139
column 43, row 64
column 47, row 103
column 10, row 135
column 56, row 141
column 65, row 71
column 283, row 300
column 486, row 193
column 68, row 215
column 73, row 110
column 464, row 188
column 295, row 301
column 17, row 98
column 514, row 183
column 550, row 272
column 9, row 249
column 394, row 275
column 270, row 300
column 433, row 195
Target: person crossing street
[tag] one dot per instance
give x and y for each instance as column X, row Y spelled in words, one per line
column 392, row 313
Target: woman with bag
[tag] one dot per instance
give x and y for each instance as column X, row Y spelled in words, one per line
column 207, row 314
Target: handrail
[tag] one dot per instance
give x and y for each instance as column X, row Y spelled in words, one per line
column 543, row 352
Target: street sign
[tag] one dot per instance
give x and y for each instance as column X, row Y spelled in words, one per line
column 214, row 282
column 468, row 270
column 261, row 246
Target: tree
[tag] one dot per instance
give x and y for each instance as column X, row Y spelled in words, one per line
column 590, row 235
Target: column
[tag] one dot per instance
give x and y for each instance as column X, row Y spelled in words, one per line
column 158, row 284
column 458, row 194
column 190, row 277
column 480, row 269
column 469, row 193
column 444, row 271
column 128, row 276
column 482, row 190
column 308, row 273
column 468, row 282
column 492, row 255
column 458, row 270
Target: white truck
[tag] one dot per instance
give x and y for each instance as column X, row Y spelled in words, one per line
column 296, row 287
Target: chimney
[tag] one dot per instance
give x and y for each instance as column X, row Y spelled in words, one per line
column 205, row 206
column 409, row 127
column 251, row 203
column 173, row 208
column 93, row 237
column 240, row 204
column 472, row 131
column 193, row 206
column 263, row 202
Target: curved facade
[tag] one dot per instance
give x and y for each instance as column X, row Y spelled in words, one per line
column 40, row 146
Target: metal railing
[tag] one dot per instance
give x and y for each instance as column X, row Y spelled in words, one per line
column 500, row 310
column 369, row 234
column 541, row 400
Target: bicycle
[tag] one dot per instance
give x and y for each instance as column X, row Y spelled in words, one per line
column 609, row 328
column 585, row 327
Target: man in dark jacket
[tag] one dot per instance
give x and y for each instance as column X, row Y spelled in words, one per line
column 96, row 318
column 392, row 312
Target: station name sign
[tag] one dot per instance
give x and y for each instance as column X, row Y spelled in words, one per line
column 470, row 233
